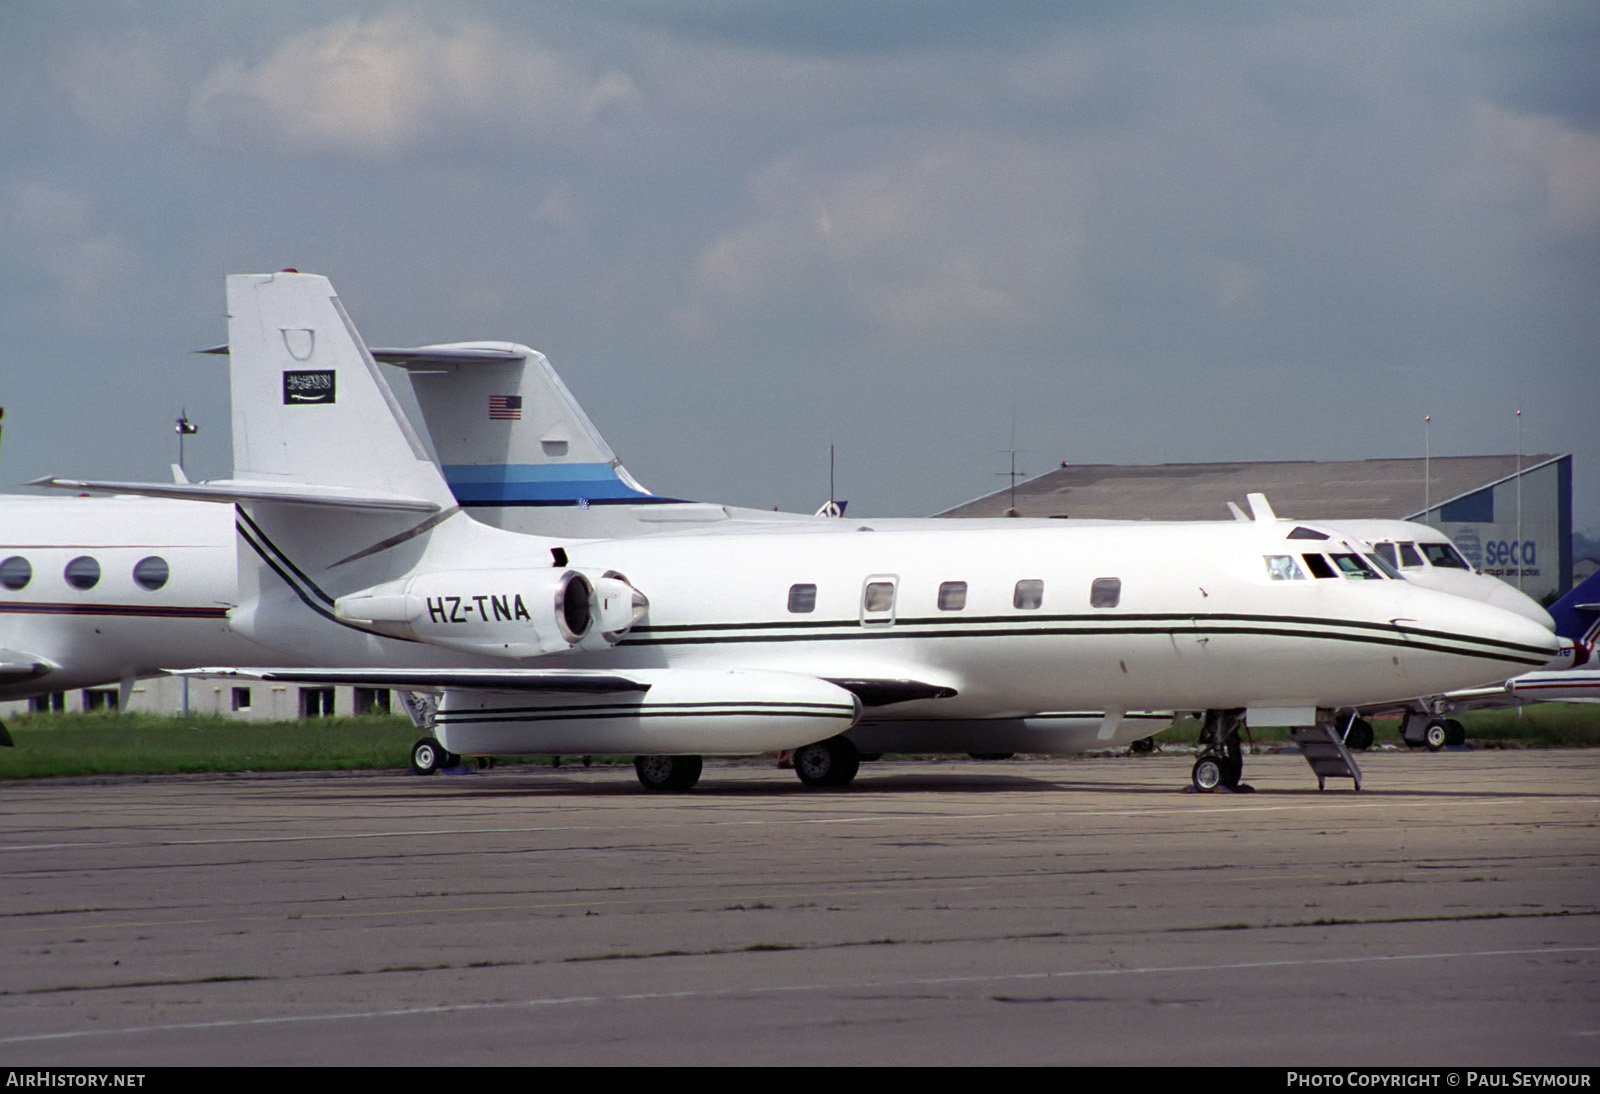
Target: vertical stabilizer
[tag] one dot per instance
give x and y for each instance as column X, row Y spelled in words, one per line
column 509, row 433
column 310, row 405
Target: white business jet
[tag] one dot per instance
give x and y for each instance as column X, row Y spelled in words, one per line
column 357, row 565
column 520, row 453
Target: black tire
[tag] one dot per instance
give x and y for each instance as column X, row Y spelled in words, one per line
column 1142, row 745
column 1208, row 773
column 1232, row 769
column 427, row 756
column 1359, row 736
column 667, row 773
column 830, row 763
column 1455, row 734
column 1436, row 736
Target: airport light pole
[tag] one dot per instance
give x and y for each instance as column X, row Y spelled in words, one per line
column 184, row 429
column 1521, row 552
column 1427, row 464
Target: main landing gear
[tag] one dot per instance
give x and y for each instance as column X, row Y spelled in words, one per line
column 1221, row 761
column 667, row 773
column 428, row 756
column 1432, row 731
column 831, row 763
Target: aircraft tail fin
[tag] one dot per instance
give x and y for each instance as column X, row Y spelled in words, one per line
column 1577, row 612
column 310, row 405
column 507, row 431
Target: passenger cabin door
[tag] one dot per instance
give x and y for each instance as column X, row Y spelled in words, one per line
column 877, row 600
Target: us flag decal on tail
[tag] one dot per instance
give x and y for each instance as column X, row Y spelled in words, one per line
column 505, row 408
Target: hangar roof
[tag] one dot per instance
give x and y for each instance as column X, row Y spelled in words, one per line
column 1305, row 489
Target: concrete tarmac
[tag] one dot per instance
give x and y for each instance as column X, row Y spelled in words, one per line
column 1020, row 912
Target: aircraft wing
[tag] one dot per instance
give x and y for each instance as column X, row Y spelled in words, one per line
column 576, row 681
column 1555, row 686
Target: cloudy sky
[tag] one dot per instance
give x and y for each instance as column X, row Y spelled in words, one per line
column 743, row 231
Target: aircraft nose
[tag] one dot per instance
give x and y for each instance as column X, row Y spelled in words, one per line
column 1515, row 600
column 1518, row 630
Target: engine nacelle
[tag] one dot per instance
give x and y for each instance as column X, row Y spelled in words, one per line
column 503, row 613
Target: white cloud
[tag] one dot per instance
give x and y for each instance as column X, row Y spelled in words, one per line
column 56, row 229
column 393, row 83
column 120, row 84
column 963, row 234
column 1513, row 153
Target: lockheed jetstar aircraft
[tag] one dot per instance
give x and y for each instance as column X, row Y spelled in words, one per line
column 356, row 564
column 542, row 467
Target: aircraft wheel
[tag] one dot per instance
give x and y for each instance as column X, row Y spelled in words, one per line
column 427, row 756
column 1359, row 736
column 830, row 763
column 1142, row 745
column 1208, row 773
column 1455, row 734
column 1436, row 736
column 667, row 773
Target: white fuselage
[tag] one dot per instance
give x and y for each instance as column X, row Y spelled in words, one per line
column 1018, row 618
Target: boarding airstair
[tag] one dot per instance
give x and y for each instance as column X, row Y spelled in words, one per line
column 1326, row 753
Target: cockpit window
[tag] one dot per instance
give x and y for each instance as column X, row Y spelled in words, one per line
column 1284, row 568
column 1409, row 556
column 1318, row 566
column 1386, row 552
column 1352, row 566
column 1388, row 568
column 1442, row 554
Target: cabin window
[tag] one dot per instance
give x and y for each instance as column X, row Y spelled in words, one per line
column 1318, row 566
column 802, row 598
column 878, row 596
column 1409, row 556
column 1442, row 554
column 1303, row 532
column 15, row 572
column 1029, row 594
column 151, row 573
column 1284, row 568
column 1353, row 567
column 952, row 596
column 82, row 572
column 1105, row 592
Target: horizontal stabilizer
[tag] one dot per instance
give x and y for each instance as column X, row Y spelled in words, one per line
column 227, row 491
column 420, row 357
column 575, row 681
